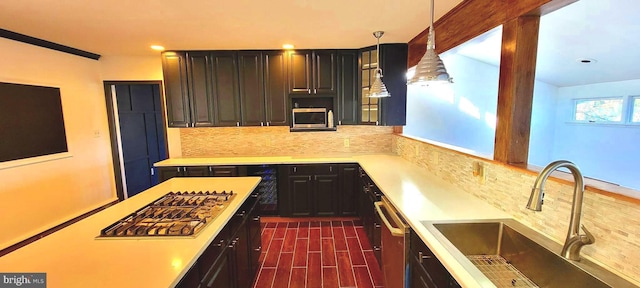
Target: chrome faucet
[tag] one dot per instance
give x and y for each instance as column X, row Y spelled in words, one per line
column 574, row 241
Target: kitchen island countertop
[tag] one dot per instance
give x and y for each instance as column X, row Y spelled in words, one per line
column 74, row 257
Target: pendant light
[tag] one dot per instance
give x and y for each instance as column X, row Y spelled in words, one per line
column 378, row 89
column 430, row 69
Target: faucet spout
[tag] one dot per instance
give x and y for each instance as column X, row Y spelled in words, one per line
column 574, row 240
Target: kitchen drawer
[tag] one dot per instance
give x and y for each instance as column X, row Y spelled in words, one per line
column 302, row 169
column 223, row 171
column 327, row 169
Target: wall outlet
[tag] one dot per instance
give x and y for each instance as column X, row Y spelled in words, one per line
column 346, row 143
column 480, row 171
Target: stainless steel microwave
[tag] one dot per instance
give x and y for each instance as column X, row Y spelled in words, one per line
column 309, row 117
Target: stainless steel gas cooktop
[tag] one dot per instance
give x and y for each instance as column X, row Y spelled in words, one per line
column 174, row 214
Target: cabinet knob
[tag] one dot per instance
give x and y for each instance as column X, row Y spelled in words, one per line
column 261, row 123
column 422, row 257
column 186, row 125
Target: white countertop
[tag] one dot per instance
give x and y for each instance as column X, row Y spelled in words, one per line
column 416, row 194
column 73, row 257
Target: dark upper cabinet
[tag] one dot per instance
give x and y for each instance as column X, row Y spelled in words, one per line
column 324, row 72
column 275, row 88
column 347, row 94
column 174, row 66
column 393, row 61
column 312, row 72
column 200, row 89
column 300, row 71
column 224, row 74
column 251, row 82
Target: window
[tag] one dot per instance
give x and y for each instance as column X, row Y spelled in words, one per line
column 635, row 109
column 599, row 110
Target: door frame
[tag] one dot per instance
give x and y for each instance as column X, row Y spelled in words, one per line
column 114, row 128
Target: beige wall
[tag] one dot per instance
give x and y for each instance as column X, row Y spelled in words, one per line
column 613, row 221
column 37, row 196
column 277, row 140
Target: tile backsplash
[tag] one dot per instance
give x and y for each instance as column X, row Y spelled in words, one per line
column 614, row 222
column 277, row 140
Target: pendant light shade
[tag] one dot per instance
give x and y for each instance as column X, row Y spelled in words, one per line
column 430, row 68
column 378, row 89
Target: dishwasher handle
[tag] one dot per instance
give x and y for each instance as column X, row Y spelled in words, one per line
column 395, row 231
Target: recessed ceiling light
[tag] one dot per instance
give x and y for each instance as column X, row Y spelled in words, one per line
column 586, row 60
column 287, row 46
column 157, row 47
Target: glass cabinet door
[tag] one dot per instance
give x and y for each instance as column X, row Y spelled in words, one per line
column 369, row 105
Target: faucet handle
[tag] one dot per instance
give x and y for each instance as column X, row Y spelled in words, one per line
column 587, row 238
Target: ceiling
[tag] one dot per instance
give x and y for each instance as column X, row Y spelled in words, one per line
column 128, row 28
column 604, row 30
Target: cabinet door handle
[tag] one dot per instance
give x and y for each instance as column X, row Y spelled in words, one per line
column 295, row 169
column 339, row 122
column 178, row 169
column 330, row 168
column 315, row 91
column 257, row 218
column 241, row 214
column 268, row 123
column 310, row 177
column 422, row 257
column 261, row 123
column 309, row 90
column 151, row 171
column 376, row 248
column 238, row 124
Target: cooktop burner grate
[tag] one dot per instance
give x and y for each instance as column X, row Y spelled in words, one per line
column 174, row 214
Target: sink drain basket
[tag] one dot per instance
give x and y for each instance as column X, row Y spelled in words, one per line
column 500, row 272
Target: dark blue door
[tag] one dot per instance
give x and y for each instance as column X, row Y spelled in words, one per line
column 142, row 134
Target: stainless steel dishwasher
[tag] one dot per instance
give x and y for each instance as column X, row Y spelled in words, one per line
column 395, row 245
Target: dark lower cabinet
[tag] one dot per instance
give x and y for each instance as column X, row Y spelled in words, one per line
column 425, row 270
column 326, row 195
column 220, row 274
column 308, row 190
column 231, row 260
column 371, row 222
column 300, row 195
column 349, row 189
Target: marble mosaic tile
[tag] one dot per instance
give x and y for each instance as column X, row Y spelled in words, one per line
column 278, row 141
column 614, row 222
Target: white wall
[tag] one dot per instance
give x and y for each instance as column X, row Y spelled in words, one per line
column 460, row 114
column 607, row 152
column 37, row 196
column 543, row 124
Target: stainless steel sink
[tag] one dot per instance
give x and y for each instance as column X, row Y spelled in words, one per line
column 511, row 254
